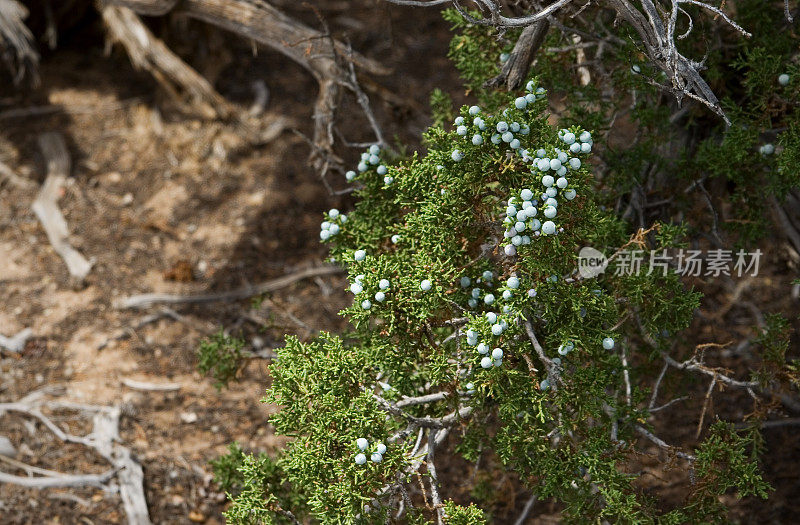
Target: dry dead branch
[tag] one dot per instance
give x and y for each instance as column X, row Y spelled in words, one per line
column 46, row 205
column 149, row 53
column 151, row 387
column 144, row 300
column 519, row 62
column 317, row 52
column 655, row 26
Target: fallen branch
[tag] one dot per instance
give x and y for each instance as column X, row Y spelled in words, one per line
column 144, row 300
column 46, row 205
column 151, row 387
column 259, row 21
column 64, row 480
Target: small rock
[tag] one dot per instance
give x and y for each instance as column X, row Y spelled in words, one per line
column 197, row 517
column 127, row 199
column 189, row 417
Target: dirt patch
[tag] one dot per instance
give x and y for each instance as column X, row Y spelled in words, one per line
column 152, row 188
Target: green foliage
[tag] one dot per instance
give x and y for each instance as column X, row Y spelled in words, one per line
column 458, row 515
column 726, row 460
column 446, row 213
column 439, row 266
column 257, row 487
column 441, row 108
column 226, row 469
column 476, row 51
column 220, row 355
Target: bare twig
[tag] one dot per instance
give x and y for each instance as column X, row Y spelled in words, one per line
column 668, row 404
column 151, row 387
column 526, row 510
column 663, row 444
column 64, row 480
column 706, row 403
column 144, row 300
column 431, row 464
column 424, row 422
column 657, row 385
column 429, row 398
column 552, row 368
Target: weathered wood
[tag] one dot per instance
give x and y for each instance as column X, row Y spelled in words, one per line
column 519, row 62
column 149, row 53
column 259, row 21
column 46, row 205
column 16, row 41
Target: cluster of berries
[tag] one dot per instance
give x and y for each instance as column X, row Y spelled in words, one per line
column 358, row 286
column 376, row 456
column 495, row 358
column 369, row 159
column 502, row 132
column 522, row 211
column 497, row 324
column 581, row 143
column 332, row 224
column 478, row 295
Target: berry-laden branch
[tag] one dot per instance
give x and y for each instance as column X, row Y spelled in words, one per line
column 464, row 325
